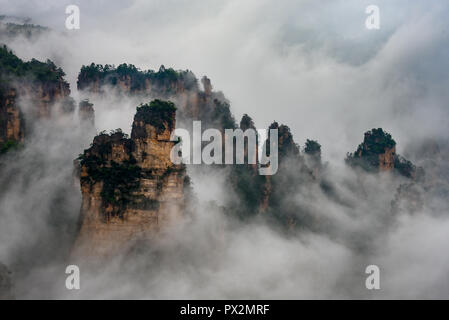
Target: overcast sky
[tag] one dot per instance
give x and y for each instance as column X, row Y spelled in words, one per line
column 310, row 64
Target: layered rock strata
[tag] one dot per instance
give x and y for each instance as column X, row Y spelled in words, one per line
column 130, row 188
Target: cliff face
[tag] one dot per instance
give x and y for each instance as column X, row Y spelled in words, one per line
column 378, row 149
column 386, row 159
column 377, row 153
column 86, row 113
column 39, row 85
column 130, row 188
column 11, row 120
column 40, row 96
column 128, row 79
column 269, row 194
column 293, row 172
column 312, row 152
column 182, row 87
column 245, row 124
column 44, row 96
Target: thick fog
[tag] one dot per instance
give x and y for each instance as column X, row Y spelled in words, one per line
column 311, row 65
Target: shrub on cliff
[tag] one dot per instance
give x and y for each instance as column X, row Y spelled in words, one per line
column 11, row 65
column 109, row 75
column 312, row 148
column 158, row 113
column 119, row 179
column 407, row 168
column 7, row 146
column 375, row 143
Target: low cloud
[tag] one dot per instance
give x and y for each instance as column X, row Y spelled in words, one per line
column 309, row 64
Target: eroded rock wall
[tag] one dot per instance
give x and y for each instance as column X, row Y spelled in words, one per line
column 130, row 188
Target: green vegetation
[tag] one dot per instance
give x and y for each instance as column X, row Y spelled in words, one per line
column 246, row 122
column 249, row 186
column 287, row 146
column 109, row 75
column 8, row 146
column 158, row 113
column 11, row 65
column 222, row 115
column 404, row 166
column 313, row 148
column 375, row 142
column 119, row 179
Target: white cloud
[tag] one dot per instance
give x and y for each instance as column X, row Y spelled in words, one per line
column 309, row 64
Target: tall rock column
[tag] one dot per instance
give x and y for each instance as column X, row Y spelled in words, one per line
column 11, row 120
column 130, row 188
column 377, row 153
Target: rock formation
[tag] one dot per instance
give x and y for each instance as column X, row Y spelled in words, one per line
column 130, row 188
column 86, row 113
column 377, row 153
column 292, row 173
column 181, row 86
column 48, row 98
column 34, row 88
column 207, row 85
column 245, row 124
column 312, row 152
column 11, row 120
column 255, row 193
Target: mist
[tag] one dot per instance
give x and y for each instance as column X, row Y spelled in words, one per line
column 309, row 64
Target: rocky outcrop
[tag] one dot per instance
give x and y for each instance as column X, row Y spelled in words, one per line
column 252, row 158
column 386, row 159
column 207, row 85
column 377, row 153
column 11, row 119
column 312, row 151
column 294, row 172
column 286, row 146
column 130, row 188
column 86, row 113
column 180, row 86
column 34, row 88
column 128, row 79
column 47, row 99
column 377, row 150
